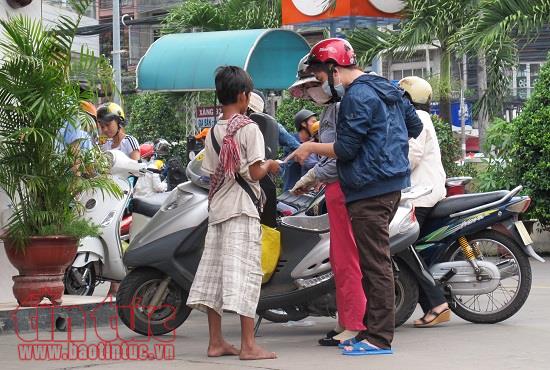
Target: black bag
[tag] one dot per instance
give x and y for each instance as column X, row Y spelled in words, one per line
column 175, row 173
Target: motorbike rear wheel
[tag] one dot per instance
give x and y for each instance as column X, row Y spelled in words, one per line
column 406, row 294
column 406, row 298
column 133, row 297
column 514, row 287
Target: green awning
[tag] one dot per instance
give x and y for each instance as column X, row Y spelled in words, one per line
column 187, row 61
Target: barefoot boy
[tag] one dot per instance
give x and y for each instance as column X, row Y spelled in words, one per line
column 229, row 275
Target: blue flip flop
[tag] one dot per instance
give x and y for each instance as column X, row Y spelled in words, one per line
column 365, row 349
column 347, row 343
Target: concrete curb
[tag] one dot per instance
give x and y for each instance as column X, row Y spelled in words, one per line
column 48, row 318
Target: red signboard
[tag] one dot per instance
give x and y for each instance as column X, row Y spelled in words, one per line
column 304, row 11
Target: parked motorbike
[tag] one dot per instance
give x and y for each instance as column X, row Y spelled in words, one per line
column 164, row 256
column 100, row 258
column 478, row 251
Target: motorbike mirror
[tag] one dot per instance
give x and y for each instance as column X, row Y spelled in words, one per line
column 121, row 164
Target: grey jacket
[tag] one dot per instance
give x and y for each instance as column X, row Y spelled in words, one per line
column 325, row 169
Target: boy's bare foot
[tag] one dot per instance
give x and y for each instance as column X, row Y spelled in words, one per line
column 256, row 353
column 225, row 349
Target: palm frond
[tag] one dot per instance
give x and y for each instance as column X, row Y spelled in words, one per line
column 498, row 17
column 369, row 42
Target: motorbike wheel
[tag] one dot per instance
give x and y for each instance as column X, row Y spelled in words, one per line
column 406, row 294
column 133, row 297
column 74, row 287
column 512, row 291
column 281, row 316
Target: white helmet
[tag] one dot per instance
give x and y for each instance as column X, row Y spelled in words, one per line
column 418, row 89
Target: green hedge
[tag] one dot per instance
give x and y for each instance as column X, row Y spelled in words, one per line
column 531, row 148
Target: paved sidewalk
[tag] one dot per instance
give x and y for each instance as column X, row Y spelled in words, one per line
column 519, row 343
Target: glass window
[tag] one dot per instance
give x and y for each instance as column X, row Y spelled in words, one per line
column 521, row 81
column 534, row 75
column 397, row 75
column 419, row 72
column 407, row 73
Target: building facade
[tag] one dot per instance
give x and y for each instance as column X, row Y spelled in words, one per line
column 143, row 28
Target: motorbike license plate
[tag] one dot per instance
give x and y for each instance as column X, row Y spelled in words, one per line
column 525, row 237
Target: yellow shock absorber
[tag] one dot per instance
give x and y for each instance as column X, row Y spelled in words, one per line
column 469, row 253
column 466, row 248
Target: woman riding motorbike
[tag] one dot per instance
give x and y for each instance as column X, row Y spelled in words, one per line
column 426, row 170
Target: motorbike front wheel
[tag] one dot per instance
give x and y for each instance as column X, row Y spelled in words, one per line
column 80, row 280
column 515, row 282
column 133, row 301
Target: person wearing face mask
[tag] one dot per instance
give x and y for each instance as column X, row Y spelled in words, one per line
column 344, row 258
column 375, row 122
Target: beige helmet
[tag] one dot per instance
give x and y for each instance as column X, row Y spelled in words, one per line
column 418, row 89
column 303, row 77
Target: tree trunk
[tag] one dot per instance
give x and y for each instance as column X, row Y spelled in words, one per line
column 445, row 85
column 483, row 116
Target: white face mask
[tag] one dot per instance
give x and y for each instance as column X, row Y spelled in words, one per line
column 340, row 91
column 318, row 95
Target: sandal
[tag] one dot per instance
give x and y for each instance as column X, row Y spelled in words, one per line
column 365, row 349
column 439, row 317
column 328, row 340
column 347, row 342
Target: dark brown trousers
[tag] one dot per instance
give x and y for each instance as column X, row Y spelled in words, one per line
column 370, row 220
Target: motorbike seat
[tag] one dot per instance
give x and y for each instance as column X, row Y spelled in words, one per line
column 458, row 203
column 299, row 202
column 148, row 206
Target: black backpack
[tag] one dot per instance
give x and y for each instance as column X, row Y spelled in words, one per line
column 175, row 173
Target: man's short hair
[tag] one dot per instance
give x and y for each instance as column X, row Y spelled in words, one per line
column 230, row 82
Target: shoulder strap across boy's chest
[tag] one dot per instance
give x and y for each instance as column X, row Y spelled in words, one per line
column 242, row 182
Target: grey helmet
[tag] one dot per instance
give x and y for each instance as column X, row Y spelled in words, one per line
column 302, row 116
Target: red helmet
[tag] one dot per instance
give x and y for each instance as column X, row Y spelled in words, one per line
column 146, row 150
column 338, row 51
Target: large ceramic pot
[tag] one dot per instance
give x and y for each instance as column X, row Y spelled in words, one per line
column 41, row 266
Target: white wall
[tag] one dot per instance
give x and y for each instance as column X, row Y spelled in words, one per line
column 49, row 14
column 6, row 269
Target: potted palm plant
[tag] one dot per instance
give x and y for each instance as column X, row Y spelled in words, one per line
column 40, row 96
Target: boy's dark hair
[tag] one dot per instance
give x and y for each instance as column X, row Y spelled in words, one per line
column 230, row 82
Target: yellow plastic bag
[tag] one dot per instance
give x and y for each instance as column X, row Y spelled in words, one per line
column 271, row 250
